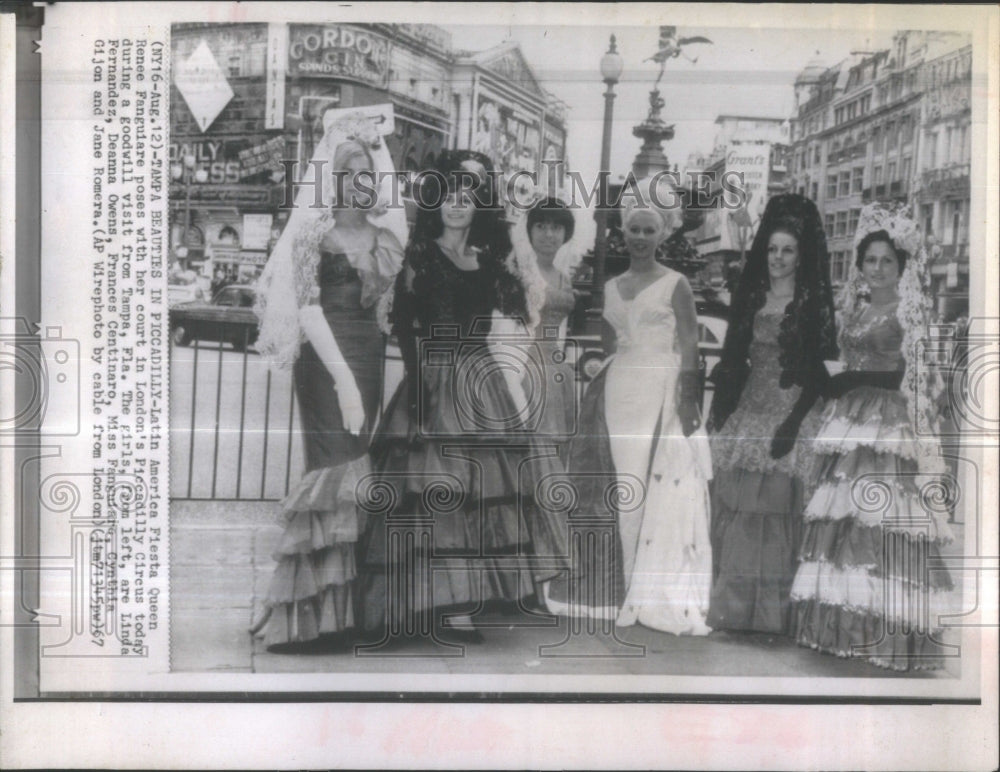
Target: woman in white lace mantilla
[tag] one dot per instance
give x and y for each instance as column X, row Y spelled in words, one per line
column 317, row 302
column 865, row 586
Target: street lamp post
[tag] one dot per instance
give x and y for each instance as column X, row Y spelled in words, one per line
column 611, row 70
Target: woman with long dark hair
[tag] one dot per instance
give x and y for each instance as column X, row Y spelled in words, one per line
column 457, row 471
column 771, row 373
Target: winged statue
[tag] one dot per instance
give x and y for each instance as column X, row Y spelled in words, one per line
column 671, row 46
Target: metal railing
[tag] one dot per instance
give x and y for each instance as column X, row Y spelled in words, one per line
column 234, row 423
column 235, row 432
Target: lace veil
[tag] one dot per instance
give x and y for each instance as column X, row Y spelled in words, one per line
column 289, row 279
column 920, row 384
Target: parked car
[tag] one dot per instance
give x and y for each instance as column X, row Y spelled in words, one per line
column 228, row 318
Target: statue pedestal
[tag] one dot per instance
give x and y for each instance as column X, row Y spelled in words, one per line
column 652, row 131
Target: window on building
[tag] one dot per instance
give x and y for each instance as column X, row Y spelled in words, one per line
column 927, row 217
column 891, row 136
column 857, row 179
column 890, row 174
column 932, row 141
column 906, row 169
column 956, row 221
column 877, row 176
column 828, row 225
column 840, row 228
column 844, row 186
column 831, row 186
column 816, row 155
column 815, row 191
column 852, row 221
column 877, row 139
column 233, row 66
column 834, row 265
column 965, row 151
column 838, row 116
column 949, row 146
column 907, row 130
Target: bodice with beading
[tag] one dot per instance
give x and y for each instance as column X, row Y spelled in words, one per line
column 443, row 294
column 744, row 441
column 874, row 344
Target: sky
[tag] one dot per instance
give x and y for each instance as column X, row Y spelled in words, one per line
column 744, row 72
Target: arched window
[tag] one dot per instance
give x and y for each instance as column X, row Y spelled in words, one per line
column 228, row 236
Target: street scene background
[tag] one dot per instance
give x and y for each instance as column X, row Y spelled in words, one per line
column 843, row 117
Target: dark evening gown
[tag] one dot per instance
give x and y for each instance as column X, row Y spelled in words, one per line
column 322, row 522
column 459, row 513
column 865, row 586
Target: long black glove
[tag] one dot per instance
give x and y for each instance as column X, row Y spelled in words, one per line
column 404, row 313
column 689, row 404
column 842, row 383
column 788, row 430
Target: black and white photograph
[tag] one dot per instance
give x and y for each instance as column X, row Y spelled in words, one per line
column 391, row 372
column 690, row 441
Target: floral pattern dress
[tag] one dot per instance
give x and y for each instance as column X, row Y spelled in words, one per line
column 865, row 586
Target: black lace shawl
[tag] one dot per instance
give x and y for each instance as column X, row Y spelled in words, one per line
column 422, row 287
column 808, row 333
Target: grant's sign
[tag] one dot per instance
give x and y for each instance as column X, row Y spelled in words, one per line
column 753, row 161
column 338, row 51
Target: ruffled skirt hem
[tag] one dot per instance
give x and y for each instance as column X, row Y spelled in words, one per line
column 854, row 633
column 310, row 590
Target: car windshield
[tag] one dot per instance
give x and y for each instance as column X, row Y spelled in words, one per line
column 227, row 298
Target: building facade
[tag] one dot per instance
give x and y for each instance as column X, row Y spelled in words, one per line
column 247, row 97
column 755, row 148
column 892, row 126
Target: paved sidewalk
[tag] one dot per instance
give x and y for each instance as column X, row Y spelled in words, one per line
column 221, row 564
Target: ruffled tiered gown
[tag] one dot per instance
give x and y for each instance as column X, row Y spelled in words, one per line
column 865, row 586
column 311, row 591
column 464, row 505
column 757, row 501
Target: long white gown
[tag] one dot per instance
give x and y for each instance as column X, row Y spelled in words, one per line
column 665, row 542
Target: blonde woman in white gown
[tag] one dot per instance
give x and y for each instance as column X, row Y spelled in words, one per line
column 651, row 433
